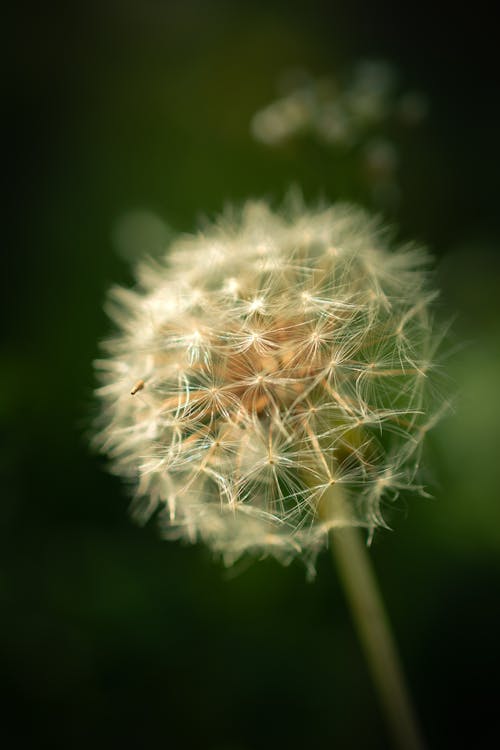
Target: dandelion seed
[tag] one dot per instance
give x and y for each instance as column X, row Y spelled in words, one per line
column 285, row 353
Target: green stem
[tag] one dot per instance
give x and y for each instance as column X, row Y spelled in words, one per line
column 374, row 631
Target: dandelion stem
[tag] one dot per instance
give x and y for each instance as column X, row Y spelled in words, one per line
column 363, row 595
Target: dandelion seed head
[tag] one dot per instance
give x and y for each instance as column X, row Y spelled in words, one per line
column 263, row 362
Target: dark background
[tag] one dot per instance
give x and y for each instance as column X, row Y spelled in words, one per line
column 107, row 634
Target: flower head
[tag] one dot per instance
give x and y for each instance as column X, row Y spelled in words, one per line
column 263, row 363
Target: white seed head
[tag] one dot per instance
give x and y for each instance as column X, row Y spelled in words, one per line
column 262, row 363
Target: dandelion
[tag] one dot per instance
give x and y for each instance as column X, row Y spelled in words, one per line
column 259, row 365
column 270, row 383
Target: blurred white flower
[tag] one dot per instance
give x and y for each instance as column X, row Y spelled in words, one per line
column 347, row 114
column 340, row 112
column 262, row 363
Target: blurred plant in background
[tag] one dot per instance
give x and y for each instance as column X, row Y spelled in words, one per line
column 359, row 113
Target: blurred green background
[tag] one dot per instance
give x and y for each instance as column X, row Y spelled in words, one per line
column 109, row 635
